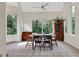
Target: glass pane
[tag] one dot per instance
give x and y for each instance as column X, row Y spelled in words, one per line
column 36, row 26
column 11, row 25
column 47, row 27
column 73, row 25
column 73, row 19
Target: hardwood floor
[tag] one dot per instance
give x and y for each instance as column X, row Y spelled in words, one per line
column 19, row 50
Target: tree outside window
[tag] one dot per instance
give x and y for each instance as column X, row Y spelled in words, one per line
column 11, row 25
column 73, row 19
column 37, row 26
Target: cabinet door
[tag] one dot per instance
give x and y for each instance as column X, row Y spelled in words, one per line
column 59, row 30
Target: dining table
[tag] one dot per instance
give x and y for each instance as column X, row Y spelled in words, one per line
column 43, row 38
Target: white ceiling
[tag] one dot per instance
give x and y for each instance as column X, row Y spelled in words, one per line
column 12, row 4
column 29, row 6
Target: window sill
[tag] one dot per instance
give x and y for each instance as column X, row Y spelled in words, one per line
column 73, row 35
column 12, row 35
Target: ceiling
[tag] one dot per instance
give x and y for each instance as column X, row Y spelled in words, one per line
column 30, row 6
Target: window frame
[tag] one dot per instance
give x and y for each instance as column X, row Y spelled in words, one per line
column 73, row 8
column 16, row 25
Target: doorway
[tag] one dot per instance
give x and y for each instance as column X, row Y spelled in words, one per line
column 59, row 30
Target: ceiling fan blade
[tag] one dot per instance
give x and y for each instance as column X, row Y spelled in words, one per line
column 45, row 4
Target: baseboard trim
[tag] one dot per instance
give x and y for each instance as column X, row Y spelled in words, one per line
column 71, row 46
column 13, row 42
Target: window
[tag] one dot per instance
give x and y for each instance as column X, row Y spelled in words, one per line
column 44, row 26
column 36, row 26
column 11, row 25
column 73, row 19
column 47, row 26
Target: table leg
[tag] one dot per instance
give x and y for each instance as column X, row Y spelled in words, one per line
column 51, row 48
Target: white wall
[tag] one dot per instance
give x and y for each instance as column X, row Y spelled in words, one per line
column 18, row 12
column 72, row 40
column 29, row 16
column 2, row 30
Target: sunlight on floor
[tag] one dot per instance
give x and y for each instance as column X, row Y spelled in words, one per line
column 24, row 43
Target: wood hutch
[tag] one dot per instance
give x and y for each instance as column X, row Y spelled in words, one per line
column 25, row 36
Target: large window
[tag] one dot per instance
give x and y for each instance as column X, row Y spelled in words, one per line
column 73, row 19
column 47, row 26
column 11, row 25
column 36, row 26
column 42, row 26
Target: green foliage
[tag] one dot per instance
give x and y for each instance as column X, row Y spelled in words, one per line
column 37, row 26
column 11, row 25
column 73, row 25
column 47, row 27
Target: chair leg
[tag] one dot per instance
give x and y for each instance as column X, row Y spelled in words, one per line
column 44, row 46
column 33, row 46
column 27, row 43
column 51, row 47
column 56, row 44
column 40, row 46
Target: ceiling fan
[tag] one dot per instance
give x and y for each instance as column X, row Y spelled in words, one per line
column 42, row 6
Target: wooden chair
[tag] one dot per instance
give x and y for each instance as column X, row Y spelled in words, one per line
column 36, row 40
column 54, row 40
column 29, row 40
column 47, row 40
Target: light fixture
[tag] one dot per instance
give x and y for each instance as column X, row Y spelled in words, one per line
column 58, row 19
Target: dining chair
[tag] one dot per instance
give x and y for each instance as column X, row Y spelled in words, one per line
column 47, row 40
column 37, row 42
column 29, row 40
column 54, row 40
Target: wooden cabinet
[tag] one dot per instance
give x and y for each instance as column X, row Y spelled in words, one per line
column 25, row 36
column 59, row 30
